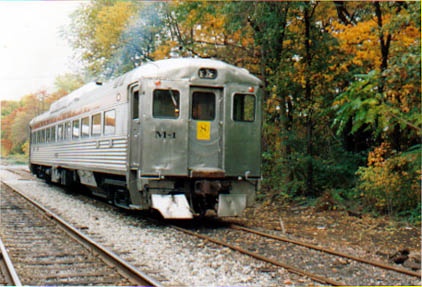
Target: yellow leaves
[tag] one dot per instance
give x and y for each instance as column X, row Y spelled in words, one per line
column 164, row 50
column 287, row 43
column 272, row 104
column 376, row 157
column 360, row 40
column 209, row 29
column 390, row 181
column 111, row 22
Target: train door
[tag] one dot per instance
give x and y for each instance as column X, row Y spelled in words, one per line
column 164, row 137
column 205, row 132
column 135, row 127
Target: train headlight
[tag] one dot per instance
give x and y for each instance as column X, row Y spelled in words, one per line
column 207, row 73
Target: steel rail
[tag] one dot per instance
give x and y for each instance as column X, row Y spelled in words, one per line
column 289, row 268
column 329, row 251
column 125, row 268
column 11, row 275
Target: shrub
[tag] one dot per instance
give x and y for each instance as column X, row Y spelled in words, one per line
column 392, row 181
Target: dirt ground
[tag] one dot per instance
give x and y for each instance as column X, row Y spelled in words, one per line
column 336, row 229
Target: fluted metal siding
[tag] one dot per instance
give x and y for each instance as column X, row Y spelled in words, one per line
column 93, row 154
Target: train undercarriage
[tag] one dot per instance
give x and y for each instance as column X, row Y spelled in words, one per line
column 173, row 197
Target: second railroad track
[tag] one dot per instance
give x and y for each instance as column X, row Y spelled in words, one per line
column 46, row 250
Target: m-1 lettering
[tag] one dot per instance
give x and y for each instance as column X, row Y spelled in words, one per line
column 165, row 135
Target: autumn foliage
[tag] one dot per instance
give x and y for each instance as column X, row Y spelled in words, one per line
column 16, row 115
column 342, row 80
column 391, row 181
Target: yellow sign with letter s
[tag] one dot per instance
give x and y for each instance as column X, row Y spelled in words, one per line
column 203, row 131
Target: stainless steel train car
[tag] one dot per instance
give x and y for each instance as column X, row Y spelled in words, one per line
column 181, row 136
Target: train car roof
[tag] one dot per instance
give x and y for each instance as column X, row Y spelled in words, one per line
column 169, row 69
column 187, row 68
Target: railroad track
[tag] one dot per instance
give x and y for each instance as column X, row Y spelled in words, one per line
column 319, row 264
column 22, row 173
column 336, row 265
column 48, row 251
column 8, row 275
column 329, row 251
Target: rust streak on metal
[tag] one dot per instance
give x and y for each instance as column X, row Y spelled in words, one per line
column 330, row 251
column 291, row 269
column 208, row 174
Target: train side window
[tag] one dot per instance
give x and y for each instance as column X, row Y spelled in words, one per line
column 166, row 104
column 203, row 106
column 53, row 134
column 60, row 132
column 67, row 131
column 47, row 135
column 109, row 122
column 244, row 108
column 43, row 136
column 85, row 127
column 75, row 129
column 135, row 105
column 96, row 125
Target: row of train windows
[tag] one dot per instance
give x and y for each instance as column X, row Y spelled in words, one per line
column 95, row 125
column 166, row 105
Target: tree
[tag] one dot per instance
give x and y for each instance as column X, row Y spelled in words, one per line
column 96, row 30
column 15, row 125
column 17, row 115
column 145, row 32
column 386, row 96
column 385, row 100
column 68, row 82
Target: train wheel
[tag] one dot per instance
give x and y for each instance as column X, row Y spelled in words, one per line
column 121, row 198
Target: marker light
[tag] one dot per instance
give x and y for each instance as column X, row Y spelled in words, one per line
column 251, row 89
column 157, row 83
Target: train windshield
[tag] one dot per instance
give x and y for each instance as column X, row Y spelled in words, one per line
column 166, row 104
column 244, row 108
column 203, row 106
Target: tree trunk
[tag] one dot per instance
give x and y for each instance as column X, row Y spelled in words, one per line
column 384, row 47
column 308, row 97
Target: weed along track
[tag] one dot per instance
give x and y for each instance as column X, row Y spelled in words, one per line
column 48, row 251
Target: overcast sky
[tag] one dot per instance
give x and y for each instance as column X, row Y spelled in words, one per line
column 32, row 53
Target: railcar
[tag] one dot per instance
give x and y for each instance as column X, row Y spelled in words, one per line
column 181, row 136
